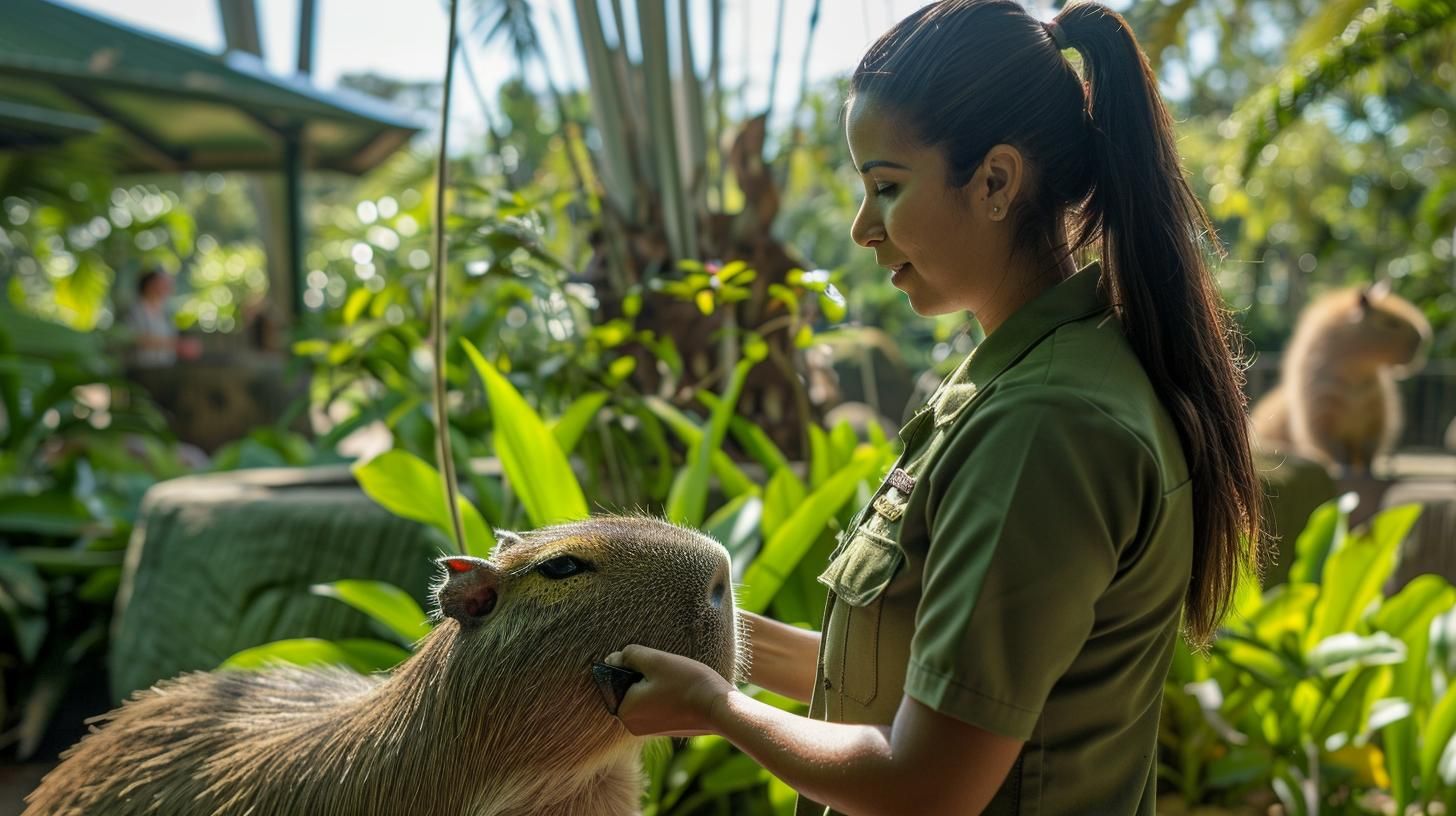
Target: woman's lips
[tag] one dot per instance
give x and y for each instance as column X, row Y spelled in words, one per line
column 898, row 272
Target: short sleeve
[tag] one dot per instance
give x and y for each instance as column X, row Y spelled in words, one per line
column 1031, row 503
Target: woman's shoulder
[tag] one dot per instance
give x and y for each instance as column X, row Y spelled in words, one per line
column 1086, row 380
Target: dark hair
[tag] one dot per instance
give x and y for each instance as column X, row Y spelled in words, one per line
column 967, row 75
column 145, row 281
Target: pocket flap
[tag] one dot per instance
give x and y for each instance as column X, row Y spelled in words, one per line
column 863, row 568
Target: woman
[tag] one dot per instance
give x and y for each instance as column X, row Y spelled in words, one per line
column 1002, row 616
column 155, row 343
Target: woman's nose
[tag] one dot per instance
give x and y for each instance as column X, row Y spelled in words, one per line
column 867, row 229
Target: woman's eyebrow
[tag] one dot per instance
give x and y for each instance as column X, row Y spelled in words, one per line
column 870, row 165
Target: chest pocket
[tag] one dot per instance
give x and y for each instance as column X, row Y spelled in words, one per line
column 858, row 576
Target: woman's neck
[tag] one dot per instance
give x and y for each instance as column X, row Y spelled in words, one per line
column 1026, row 278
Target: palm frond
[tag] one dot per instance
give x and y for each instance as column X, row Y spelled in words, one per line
column 1377, row 34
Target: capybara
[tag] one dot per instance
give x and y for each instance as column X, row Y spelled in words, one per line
column 495, row 713
column 1336, row 401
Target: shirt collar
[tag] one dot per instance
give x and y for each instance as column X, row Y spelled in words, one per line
column 1075, row 298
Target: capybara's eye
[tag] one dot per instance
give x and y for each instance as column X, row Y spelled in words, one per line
column 562, row 566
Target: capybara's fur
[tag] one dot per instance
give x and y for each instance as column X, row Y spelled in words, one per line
column 1337, row 402
column 496, row 712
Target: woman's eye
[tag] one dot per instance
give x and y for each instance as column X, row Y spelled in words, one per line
column 563, row 566
column 886, row 190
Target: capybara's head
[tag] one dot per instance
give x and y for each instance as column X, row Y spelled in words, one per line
column 549, row 603
column 1383, row 327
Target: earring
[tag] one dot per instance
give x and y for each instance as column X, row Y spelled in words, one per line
column 995, row 213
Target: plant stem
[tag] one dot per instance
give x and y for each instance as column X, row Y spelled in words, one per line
column 438, row 330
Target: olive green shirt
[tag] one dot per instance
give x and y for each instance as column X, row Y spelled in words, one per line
column 1023, row 567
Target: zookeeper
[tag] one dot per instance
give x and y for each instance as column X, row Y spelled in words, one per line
column 1078, row 492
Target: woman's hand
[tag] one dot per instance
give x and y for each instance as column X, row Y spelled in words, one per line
column 675, row 697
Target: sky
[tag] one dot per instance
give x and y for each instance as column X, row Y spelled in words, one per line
column 405, row 39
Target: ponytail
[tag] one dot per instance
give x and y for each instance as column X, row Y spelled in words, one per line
column 1152, row 233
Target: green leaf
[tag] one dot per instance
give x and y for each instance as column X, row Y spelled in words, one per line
column 786, row 548
column 22, row 581
column 363, row 655
column 750, row 437
column 1340, row 653
column 52, row 514
column 569, row 427
column 386, row 603
column 1355, row 573
column 620, row 369
column 1436, row 740
column 1323, row 533
column 783, row 495
column 407, row 486
column 1408, row 616
column 688, row 498
column 356, row 304
column 736, row 526
column 821, row 457
column 731, row 478
column 1389, row 28
column 534, row 463
column 69, row 560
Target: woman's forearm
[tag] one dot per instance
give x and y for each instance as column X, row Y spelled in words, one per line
column 784, row 658
column 850, row 768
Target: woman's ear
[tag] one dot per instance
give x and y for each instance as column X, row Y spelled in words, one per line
column 1001, row 176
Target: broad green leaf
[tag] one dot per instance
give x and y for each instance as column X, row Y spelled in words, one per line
column 1436, row 739
column 51, row 514
column 783, row 552
column 842, row 442
column 411, row 488
column 69, row 559
column 569, row 427
column 783, row 495
column 386, row 603
column 1355, row 573
column 1323, row 534
column 821, row 457
column 1340, row 653
column 363, row 655
column 1286, row 609
column 731, row 479
column 738, row 772
column 22, row 581
column 688, row 499
column 736, row 527
column 750, row 437
column 356, row 304
column 1347, row 710
column 1408, row 616
column 533, row 462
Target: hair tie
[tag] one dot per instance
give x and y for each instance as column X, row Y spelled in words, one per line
column 1059, row 37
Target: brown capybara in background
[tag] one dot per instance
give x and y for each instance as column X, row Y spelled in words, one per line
column 1336, row 401
column 496, row 713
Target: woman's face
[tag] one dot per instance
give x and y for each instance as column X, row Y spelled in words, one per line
column 935, row 239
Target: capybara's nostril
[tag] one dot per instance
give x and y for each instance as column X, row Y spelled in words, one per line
column 718, row 586
column 480, row 603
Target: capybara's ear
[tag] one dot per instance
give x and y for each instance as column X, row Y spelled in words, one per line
column 468, row 593
column 505, row 539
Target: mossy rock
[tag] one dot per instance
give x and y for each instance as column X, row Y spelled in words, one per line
column 223, row 562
